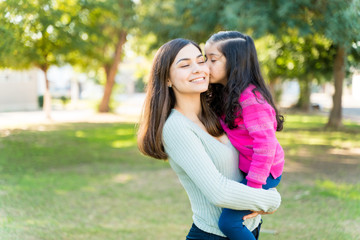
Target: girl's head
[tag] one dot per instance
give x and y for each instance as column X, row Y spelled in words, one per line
column 233, row 63
column 234, row 55
column 178, row 69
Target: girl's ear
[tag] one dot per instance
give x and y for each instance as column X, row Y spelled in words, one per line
column 169, row 84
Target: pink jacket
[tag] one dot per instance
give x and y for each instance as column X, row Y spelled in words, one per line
column 260, row 153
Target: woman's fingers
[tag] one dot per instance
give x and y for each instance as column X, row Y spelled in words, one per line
column 251, row 215
column 255, row 213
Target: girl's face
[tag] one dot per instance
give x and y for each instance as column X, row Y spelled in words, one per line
column 189, row 73
column 216, row 62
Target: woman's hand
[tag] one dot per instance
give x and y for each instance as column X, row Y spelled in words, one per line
column 255, row 213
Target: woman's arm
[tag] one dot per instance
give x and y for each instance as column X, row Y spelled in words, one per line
column 185, row 148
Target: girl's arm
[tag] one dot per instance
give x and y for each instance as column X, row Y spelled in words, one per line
column 259, row 120
column 185, row 148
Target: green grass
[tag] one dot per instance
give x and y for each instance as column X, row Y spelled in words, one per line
column 88, row 181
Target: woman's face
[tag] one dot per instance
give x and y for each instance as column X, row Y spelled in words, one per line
column 216, row 62
column 189, row 73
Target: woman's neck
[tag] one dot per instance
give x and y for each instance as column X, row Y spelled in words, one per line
column 189, row 106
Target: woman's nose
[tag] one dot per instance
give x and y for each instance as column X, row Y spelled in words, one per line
column 196, row 68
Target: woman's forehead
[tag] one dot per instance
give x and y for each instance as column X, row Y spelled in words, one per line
column 189, row 51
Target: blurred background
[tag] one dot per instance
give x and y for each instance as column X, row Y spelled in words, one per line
column 72, row 80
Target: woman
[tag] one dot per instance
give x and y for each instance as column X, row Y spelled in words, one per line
column 178, row 125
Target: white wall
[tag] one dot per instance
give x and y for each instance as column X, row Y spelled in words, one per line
column 18, row 90
column 356, row 85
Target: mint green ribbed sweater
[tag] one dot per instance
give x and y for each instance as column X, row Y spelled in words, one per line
column 208, row 170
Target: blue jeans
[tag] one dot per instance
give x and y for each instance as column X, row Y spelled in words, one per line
column 231, row 221
column 196, row 233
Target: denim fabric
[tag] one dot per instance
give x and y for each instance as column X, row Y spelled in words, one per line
column 231, row 221
column 196, row 233
column 271, row 182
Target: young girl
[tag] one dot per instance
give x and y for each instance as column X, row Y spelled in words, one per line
column 247, row 114
column 178, row 125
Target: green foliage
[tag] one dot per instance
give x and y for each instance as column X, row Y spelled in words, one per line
column 336, row 20
column 170, row 19
column 38, row 33
column 303, row 36
column 45, row 33
column 64, row 100
column 290, row 56
column 100, row 24
column 41, row 101
column 140, row 85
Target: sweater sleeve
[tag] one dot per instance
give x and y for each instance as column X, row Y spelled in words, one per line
column 185, row 148
column 259, row 120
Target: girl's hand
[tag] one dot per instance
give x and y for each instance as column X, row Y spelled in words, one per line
column 255, row 213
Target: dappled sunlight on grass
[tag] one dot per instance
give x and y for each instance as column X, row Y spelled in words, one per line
column 80, row 134
column 304, row 122
column 293, row 138
column 89, row 189
column 305, row 119
column 122, row 132
column 123, row 178
column 292, row 167
column 60, row 192
column 344, row 191
column 346, row 151
column 123, row 143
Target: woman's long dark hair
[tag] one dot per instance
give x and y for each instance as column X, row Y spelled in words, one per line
column 243, row 69
column 160, row 99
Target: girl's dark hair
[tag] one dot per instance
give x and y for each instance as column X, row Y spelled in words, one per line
column 160, row 99
column 243, row 69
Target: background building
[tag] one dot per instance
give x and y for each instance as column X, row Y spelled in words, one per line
column 18, row 90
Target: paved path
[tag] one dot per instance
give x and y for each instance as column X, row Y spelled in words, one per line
column 128, row 111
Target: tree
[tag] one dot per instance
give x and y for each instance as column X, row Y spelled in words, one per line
column 344, row 27
column 37, row 33
column 169, row 19
column 103, row 27
column 289, row 56
column 339, row 22
column 87, row 33
column 336, row 20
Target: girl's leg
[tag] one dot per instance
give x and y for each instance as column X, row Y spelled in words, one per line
column 231, row 221
column 271, row 182
column 231, row 224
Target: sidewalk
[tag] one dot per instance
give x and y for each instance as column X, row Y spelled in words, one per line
column 10, row 120
column 129, row 111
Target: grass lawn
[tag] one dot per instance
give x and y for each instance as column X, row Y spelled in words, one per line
column 88, row 181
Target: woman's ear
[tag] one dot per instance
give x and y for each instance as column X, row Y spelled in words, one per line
column 169, row 84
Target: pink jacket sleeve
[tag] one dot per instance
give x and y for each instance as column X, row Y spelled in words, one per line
column 260, row 121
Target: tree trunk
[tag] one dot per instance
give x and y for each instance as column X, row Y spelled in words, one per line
column 47, row 95
column 275, row 89
column 111, row 70
column 305, row 91
column 335, row 118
